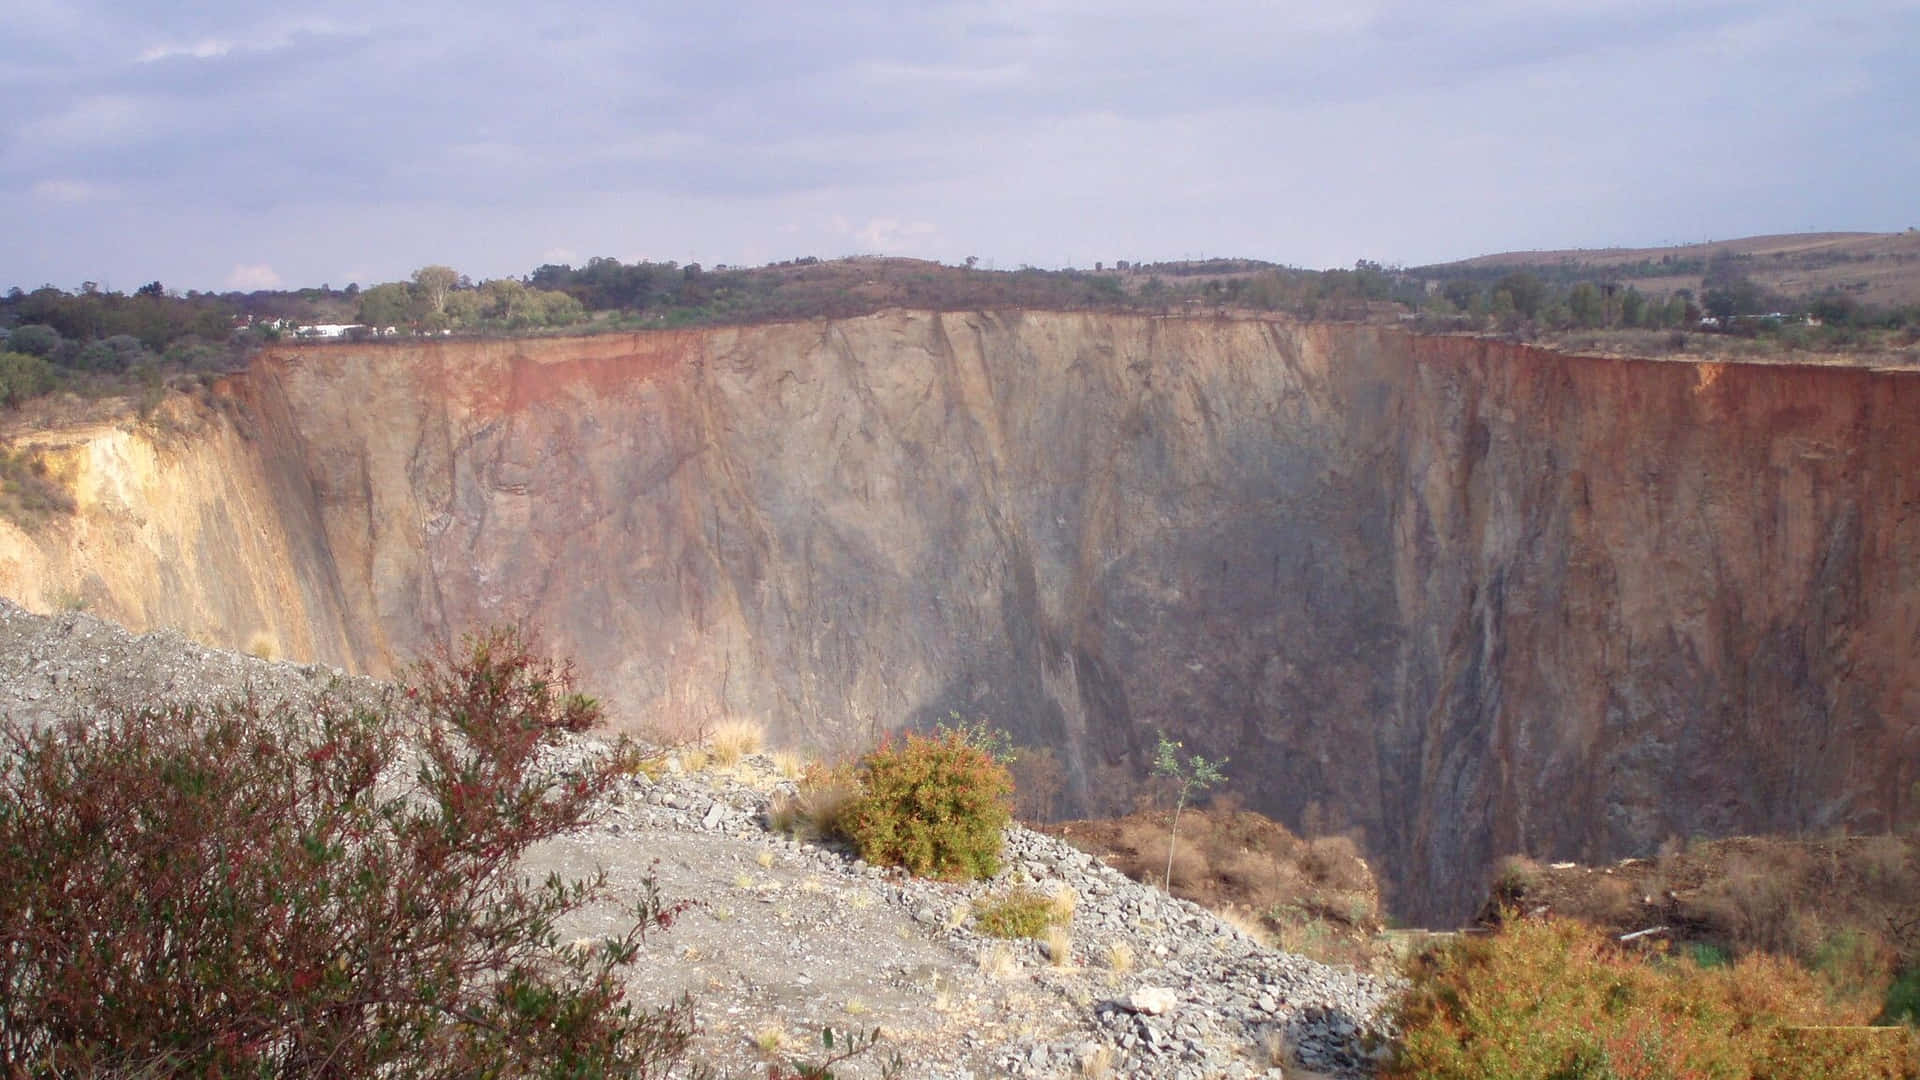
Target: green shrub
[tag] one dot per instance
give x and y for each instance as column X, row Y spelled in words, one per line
column 1021, row 913
column 241, row 891
column 35, row 340
column 1903, row 1000
column 1555, row 999
column 23, row 376
column 1705, row 955
column 935, row 805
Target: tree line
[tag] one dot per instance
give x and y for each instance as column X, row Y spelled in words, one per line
column 95, row 340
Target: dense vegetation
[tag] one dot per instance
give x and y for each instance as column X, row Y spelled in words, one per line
column 242, row 891
column 95, row 341
column 239, row 891
column 1556, row 1000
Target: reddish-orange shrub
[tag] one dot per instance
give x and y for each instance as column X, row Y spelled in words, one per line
column 239, row 891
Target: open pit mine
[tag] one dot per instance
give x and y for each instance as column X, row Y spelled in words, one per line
column 1463, row 596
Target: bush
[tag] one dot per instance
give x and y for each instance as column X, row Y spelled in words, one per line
column 34, row 339
column 1903, row 1000
column 251, row 891
column 935, row 805
column 22, row 376
column 1021, row 913
column 1554, row 998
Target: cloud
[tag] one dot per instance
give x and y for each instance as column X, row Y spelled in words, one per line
column 890, row 236
column 261, row 40
column 71, row 191
column 89, row 121
column 246, row 277
column 145, row 142
column 200, row 50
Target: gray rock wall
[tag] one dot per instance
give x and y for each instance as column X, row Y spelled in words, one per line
column 1463, row 596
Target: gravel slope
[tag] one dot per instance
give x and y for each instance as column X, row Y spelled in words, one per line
column 788, row 936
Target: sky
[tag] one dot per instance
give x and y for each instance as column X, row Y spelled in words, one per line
column 252, row 145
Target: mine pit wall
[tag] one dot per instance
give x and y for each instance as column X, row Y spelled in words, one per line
column 186, row 519
column 1464, row 596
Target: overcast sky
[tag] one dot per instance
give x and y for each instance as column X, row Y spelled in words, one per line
column 235, row 146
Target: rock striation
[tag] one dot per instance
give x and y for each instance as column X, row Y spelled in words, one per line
column 1464, row 596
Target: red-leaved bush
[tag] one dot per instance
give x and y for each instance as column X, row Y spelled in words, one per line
column 241, row 891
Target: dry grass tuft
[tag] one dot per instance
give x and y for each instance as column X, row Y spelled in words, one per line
column 1273, row 1044
column 1065, row 900
column 789, row 764
column 770, row 1038
column 261, row 647
column 734, row 739
column 1059, row 944
column 998, row 962
column 1246, row 922
column 1119, row 957
column 651, row 766
column 819, row 805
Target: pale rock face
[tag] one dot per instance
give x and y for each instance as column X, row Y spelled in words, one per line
column 1463, row 596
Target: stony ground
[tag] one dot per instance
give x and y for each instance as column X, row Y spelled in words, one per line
column 787, row 936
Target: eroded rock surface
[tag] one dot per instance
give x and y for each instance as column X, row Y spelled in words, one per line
column 1465, row 596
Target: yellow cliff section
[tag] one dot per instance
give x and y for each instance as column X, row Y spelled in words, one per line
column 175, row 523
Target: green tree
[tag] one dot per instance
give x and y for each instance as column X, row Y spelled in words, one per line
column 1526, row 291
column 1461, row 293
column 1835, row 307
column 503, row 300
column 23, row 375
column 1587, row 306
column 1503, row 310
column 1191, row 775
column 35, row 339
column 432, row 284
column 1633, row 307
column 463, row 307
column 391, row 304
column 559, row 309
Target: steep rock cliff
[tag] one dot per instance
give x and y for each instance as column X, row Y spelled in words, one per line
column 1468, row 597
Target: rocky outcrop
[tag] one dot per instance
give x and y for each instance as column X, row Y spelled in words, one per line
column 1465, row 596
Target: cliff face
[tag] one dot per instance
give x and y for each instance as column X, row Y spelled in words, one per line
column 1466, row 596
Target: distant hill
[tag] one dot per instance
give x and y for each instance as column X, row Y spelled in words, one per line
column 1879, row 269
